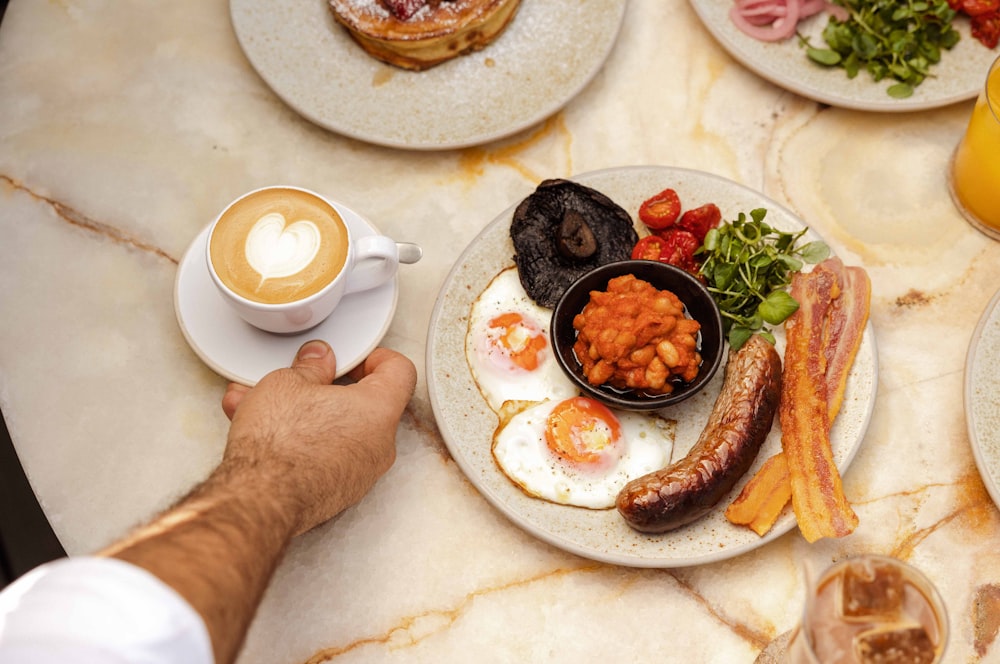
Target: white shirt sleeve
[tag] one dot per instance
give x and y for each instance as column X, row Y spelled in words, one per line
column 90, row 610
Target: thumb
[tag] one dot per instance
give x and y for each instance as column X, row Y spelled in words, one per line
column 316, row 362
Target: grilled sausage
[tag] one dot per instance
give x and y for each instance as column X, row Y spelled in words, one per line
column 740, row 422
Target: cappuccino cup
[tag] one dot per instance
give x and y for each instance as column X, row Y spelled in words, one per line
column 283, row 257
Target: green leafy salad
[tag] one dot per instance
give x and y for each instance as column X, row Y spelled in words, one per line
column 747, row 266
column 898, row 39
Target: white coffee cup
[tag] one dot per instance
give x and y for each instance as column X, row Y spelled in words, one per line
column 283, row 257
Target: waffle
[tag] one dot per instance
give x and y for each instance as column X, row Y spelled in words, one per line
column 438, row 31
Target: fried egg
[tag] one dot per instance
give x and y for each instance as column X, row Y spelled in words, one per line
column 508, row 348
column 578, row 451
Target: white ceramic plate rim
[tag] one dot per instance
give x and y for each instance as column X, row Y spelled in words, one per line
column 547, row 55
column 959, row 76
column 243, row 354
column 981, row 379
column 464, row 418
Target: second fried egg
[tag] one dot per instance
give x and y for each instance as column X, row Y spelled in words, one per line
column 577, row 451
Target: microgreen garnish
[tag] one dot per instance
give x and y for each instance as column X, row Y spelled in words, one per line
column 747, row 267
column 898, row 39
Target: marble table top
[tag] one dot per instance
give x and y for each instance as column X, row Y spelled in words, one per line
column 124, row 127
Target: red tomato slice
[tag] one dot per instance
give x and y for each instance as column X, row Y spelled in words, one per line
column 700, row 220
column 648, row 248
column 661, row 210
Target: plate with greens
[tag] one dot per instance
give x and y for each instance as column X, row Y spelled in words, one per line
column 959, row 75
column 467, row 423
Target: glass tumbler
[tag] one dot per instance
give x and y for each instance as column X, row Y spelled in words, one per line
column 870, row 608
column 974, row 173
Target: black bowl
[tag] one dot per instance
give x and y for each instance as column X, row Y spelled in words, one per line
column 698, row 304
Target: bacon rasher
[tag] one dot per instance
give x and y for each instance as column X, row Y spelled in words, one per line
column 822, row 338
column 763, row 497
column 848, row 317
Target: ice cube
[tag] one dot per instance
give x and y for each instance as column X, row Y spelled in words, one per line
column 872, row 590
column 899, row 645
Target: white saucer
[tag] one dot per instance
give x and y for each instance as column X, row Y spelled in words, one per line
column 241, row 353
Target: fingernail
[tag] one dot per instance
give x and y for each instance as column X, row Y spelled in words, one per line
column 313, row 350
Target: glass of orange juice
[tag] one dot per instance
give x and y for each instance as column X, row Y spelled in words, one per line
column 974, row 177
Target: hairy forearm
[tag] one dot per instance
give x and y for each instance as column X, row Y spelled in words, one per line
column 218, row 548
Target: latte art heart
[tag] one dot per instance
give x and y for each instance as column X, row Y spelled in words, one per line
column 275, row 248
column 278, row 245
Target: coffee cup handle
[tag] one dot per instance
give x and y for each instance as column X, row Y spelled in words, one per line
column 376, row 258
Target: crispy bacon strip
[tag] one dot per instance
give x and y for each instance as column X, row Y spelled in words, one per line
column 821, row 508
column 846, row 318
column 764, row 496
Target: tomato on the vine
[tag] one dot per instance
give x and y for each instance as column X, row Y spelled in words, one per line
column 660, row 211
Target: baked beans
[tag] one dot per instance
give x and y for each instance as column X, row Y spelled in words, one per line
column 634, row 336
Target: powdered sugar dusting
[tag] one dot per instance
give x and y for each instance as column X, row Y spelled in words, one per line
column 448, row 9
column 370, row 7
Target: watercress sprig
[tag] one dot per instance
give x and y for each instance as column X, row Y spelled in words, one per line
column 747, row 267
column 898, row 39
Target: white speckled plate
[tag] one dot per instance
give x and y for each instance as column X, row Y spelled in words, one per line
column 960, row 75
column 467, row 423
column 548, row 54
column 982, row 396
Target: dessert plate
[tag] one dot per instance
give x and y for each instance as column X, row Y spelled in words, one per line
column 467, row 423
column 982, row 405
column 957, row 77
column 241, row 353
column 550, row 51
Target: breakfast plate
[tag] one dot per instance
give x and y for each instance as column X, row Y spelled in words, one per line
column 467, row 423
column 546, row 56
column 957, row 77
column 239, row 352
column 982, row 406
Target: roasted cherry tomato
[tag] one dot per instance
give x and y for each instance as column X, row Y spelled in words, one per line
column 700, row 220
column 679, row 248
column 986, row 28
column 660, row 211
column 980, row 7
column 648, row 248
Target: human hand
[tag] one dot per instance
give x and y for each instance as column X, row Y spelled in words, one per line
column 318, row 447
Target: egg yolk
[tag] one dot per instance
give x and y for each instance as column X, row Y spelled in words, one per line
column 519, row 340
column 584, row 433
